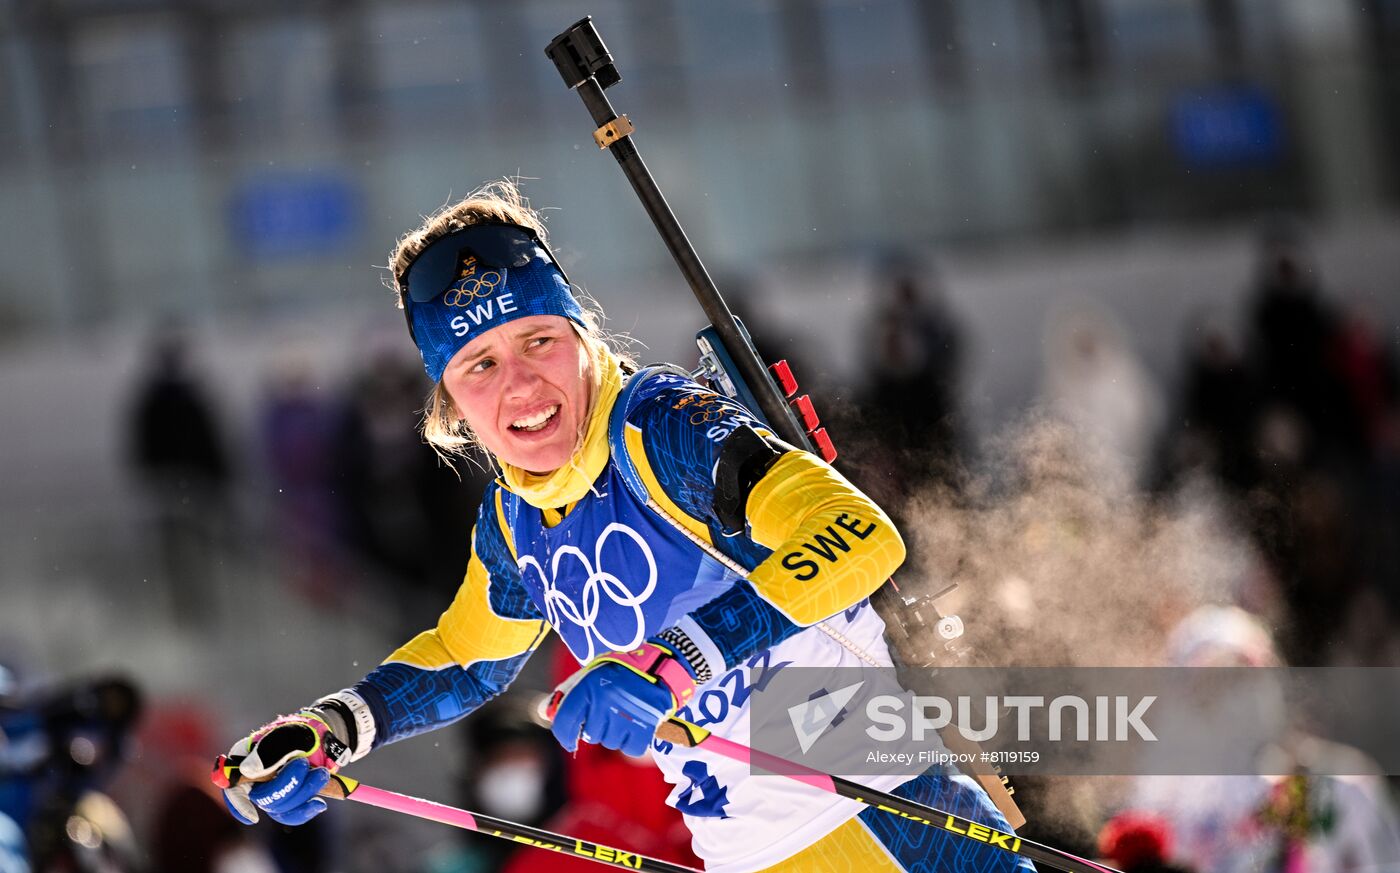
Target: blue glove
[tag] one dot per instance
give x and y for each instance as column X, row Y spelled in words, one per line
column 289, row 797
column 280, row 768
column 619, row 699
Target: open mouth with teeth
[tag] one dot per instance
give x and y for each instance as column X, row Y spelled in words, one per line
column 537, row 422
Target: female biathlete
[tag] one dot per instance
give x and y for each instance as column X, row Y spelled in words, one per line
column 623, row 499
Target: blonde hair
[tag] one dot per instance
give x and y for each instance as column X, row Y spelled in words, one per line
column 443, row 426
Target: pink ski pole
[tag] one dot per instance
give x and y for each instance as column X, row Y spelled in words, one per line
column 344, row 788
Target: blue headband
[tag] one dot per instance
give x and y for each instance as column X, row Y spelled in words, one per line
column 486, row 297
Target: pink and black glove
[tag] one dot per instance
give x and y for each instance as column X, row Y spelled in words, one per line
column 619, row 699
column 280, row 768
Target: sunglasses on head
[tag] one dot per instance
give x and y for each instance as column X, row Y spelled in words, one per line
column 491, row 244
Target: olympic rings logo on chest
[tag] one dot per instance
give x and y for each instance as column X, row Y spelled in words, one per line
column 621, row 615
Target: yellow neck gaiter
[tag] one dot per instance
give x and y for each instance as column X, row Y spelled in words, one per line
column 571, row 481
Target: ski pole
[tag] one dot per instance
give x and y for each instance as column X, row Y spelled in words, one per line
column 344, row 788
column 683, row 733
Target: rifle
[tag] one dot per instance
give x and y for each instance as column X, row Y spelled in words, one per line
column 730, row 364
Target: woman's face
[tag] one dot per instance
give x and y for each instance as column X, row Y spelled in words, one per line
column 524, row 389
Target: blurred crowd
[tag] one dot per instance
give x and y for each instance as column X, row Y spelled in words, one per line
column 334, row 479
column 1288, row 413
column 1299, row 423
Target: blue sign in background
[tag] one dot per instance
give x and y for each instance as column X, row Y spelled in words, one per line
column 279, row 215
column 1227, row 127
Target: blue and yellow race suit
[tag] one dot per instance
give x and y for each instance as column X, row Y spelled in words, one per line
column 609, row 571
